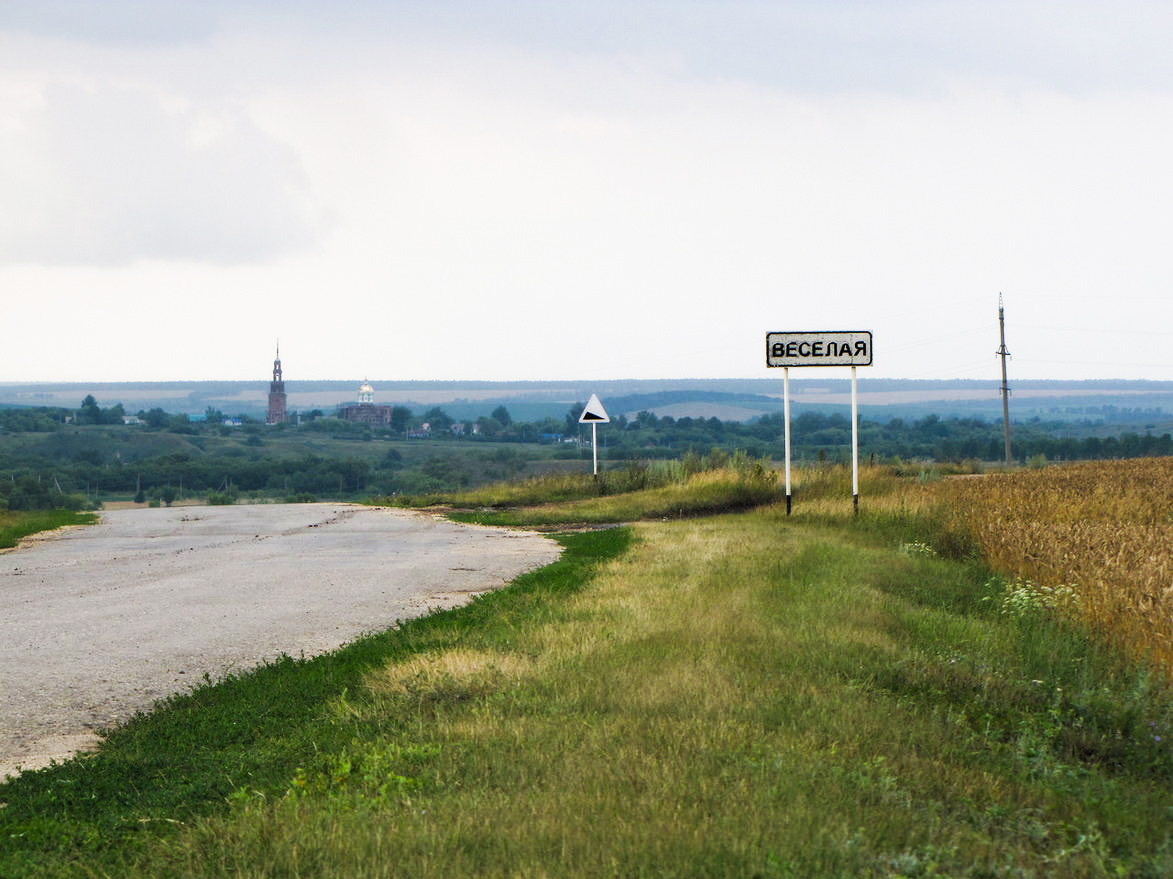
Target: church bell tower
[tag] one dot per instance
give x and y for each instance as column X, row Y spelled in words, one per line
column 276, row 393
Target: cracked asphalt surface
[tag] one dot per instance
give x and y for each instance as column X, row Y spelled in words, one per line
column 99, row 622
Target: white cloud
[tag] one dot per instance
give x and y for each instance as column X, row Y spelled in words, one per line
column 109, row 175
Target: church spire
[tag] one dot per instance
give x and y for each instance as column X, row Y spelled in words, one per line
column 277, row 413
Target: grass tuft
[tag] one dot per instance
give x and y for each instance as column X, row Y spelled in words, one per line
column 16, row 525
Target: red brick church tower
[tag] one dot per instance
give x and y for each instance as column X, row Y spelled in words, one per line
column 276, row 393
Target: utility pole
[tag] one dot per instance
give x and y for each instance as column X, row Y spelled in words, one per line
column 1003, row 353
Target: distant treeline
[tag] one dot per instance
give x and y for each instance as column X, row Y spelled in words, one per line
column 957, row 439
column 63, row 457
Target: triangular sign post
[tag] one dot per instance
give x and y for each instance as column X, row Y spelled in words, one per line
column 594, row 411
column 594, row 414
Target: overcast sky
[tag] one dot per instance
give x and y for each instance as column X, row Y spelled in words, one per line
column 577, row 190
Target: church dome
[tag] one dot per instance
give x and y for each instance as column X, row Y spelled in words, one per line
column 366, row 394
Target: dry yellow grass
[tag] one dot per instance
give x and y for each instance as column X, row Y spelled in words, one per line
column 429, row 672
column 1105, row 528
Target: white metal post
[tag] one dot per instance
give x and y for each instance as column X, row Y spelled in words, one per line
column 854, row 444
column 786, row 417
column 595, row 446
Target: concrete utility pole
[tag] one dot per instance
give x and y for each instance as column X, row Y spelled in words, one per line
column 1003, row 353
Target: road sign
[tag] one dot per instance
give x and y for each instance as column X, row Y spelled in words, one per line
column 819, row 349
column 594, row 413
column 852, row 348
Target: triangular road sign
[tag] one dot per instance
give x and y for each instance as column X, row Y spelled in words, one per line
column 594, row 412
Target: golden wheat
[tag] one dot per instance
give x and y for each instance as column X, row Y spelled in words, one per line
column 1105, row 528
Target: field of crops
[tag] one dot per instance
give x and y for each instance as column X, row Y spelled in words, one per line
column 1102, row 529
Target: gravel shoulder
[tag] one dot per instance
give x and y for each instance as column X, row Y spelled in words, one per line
column 99, row 622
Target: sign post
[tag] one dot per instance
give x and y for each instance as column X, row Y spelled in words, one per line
column 834, row 348
column 786, row 432
column 594, row 414
column 854, row 445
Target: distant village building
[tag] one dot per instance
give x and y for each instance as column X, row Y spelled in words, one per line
column 276, row 394
column 365, row 411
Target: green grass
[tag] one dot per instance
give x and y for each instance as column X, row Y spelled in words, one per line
column 742, row 694
column 197, row 752
column 660, row 490
column 15, row 525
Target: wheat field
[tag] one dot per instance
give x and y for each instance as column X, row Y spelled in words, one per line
column 1103, row 528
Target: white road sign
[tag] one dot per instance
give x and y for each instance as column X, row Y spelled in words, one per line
column 851, row 348
column 819, row 349
column 594, row 413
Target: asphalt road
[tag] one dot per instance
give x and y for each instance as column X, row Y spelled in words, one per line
column 99, row 622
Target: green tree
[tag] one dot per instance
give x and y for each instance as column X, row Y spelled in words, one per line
column 400, row 416
column 438, row 418
column 502, row 415
column 89, row 413
column 28, row 493
column 489, row 426
column 572, row 417
column 156, row 417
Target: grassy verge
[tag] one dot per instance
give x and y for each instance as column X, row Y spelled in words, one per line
column 705, row 493
column 15, row 525
column 244, row 736
column 716, row 482
column 741, row 694
column 665, row 491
